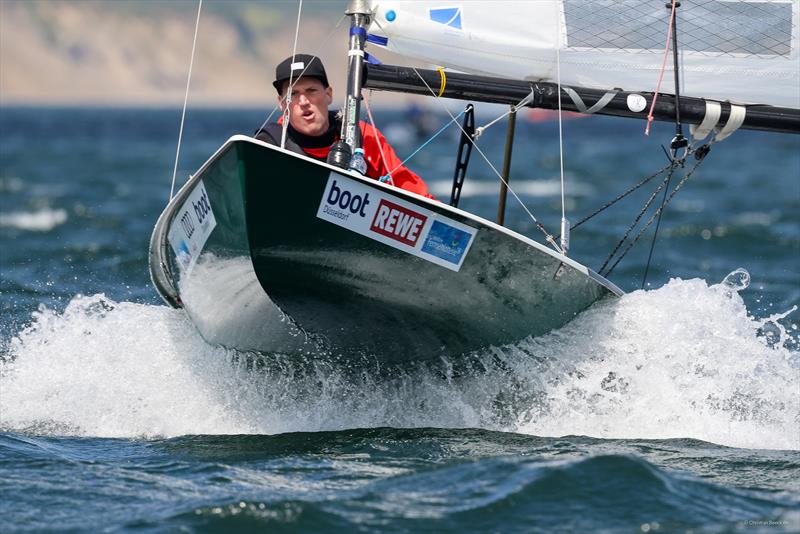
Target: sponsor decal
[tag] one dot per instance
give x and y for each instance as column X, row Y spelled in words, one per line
column 191, row 227
column 343, row 203
column 395, row 222
column 183, row 254
column 446, row 242
column 449, row 16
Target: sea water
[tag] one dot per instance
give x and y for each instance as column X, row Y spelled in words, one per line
column 673, row 408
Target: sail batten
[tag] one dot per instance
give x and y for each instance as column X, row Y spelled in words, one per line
column 743, row 51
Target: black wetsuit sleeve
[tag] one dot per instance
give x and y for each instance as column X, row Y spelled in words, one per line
column 266, row 135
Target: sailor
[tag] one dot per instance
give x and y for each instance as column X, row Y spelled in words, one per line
column 313, row 129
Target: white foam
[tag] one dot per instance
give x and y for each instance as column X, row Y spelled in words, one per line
column 108, row 369
column 685, row 360
column 682, row 361
column 529, row 188
column 42, row 220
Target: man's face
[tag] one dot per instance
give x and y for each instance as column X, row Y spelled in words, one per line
column 309, row 106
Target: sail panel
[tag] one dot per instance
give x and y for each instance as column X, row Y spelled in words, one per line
column 743, row 51
column 713, row 26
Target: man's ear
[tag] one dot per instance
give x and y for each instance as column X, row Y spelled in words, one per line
column 329, row 94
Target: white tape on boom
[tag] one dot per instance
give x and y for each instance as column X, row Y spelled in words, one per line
column 710, row 119
column 734, row 122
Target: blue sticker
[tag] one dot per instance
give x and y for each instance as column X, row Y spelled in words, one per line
column 446, row 242
column 377, row 39
column 449, row 16
column 357, row 30
column 184, row 255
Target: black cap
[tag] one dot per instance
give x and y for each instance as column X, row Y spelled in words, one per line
column 293, row 66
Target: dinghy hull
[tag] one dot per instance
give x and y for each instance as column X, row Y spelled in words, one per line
column 271, row 251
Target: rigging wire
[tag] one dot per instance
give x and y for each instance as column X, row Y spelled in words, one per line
column 426, row 143
column 650, row 117
column 512, row 109
column 655, row 232
column 287, row 112
column 185, row 102
column 375, row 134
column 388, row 176
column 622, row 195
column 637, row 219
column 548, row 237
column 656, row 214
column 679, row 141
column 564, row 223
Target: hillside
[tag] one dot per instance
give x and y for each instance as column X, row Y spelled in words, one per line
column 124, row 52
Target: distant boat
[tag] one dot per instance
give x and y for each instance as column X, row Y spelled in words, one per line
column 272, row 251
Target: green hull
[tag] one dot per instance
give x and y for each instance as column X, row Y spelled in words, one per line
column 295, row 262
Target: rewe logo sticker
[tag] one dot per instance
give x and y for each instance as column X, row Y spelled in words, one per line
column 397, row 222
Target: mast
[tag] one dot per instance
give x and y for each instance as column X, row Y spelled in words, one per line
column 341, row 151
column 545, row 95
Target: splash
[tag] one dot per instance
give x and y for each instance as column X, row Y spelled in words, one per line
column 115, row 370
column 685, row 360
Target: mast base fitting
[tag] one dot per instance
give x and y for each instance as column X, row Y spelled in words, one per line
column 358, row 7
column 340, row 155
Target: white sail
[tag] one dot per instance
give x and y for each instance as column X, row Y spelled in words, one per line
column 741, row 51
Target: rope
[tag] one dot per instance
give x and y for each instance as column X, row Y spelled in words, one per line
column 548, row 237
column 287, row 113
column 426, row 143
column 638, row 218
column 621, row 196
column 185, row 102
column 655, row 233
column 375, row 133
column 678, row 141
column 650, row 117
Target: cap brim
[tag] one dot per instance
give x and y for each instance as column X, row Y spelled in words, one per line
column 278, row 84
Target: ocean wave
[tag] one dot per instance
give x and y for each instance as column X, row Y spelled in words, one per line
column 408, row 479
column 500, row 494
